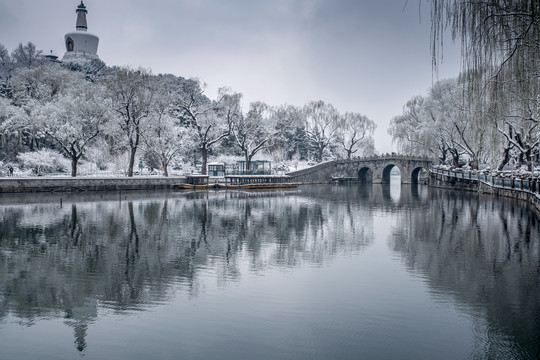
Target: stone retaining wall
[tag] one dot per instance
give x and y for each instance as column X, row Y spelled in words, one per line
column 67, row 184
column 453, row 183
column 449, row 182
column 527, row 196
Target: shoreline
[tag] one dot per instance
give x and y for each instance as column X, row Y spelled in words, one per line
column 82, row 184
column 522, row 192
column 67, row 185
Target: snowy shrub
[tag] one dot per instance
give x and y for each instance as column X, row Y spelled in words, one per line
column 44, row 161
column 87, row 168
column 99, row 154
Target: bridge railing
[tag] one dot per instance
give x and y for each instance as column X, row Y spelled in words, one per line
column 391, row 157
column 529, row 184
column 309, row 169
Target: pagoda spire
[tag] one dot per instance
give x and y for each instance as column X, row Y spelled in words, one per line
column 81, row 17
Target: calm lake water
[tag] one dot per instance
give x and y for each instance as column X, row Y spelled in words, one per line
column 322, row 272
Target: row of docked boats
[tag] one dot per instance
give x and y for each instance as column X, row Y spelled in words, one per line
column 244, row 182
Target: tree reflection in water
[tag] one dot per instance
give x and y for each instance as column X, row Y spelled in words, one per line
column 131, row 252
column 127, row 252
column 485, row 253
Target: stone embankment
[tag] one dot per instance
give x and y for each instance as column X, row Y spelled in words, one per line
column 69, row 184
column 527, row 189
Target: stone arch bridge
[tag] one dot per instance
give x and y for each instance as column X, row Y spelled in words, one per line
column 375, row 169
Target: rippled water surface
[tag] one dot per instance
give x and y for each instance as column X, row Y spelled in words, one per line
column 322, row 272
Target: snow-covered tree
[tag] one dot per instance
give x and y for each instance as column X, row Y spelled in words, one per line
column 5, row 62
column 27, row 56
column 521, row 132
column 163, row 133
column 453, row 107
column 407, row 129
column 32, row 89
column 500, row 35
column 292, row 140
column 132, row 93
column 446, row 122
column 257, row 129
column 6, row 68
column 75, row 118
column 321, row 124
column 354, row 131
column 501, row 56
column 211, row 119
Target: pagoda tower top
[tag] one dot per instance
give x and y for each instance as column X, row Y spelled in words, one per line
column 81, row 17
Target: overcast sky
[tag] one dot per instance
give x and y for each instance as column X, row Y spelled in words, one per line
column 362, row 56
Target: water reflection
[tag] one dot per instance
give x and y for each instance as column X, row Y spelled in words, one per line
column 131, row 252
column 61, row 259
column 484, row 252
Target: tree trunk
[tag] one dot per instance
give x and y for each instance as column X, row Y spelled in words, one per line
column 248, row 163
column 204, row 160
column 521, row 161
column 74, row 161
column 165, row 164
column 455, row 157
column 528, row 159
column 505, row 159
column 442, row 158
column 474, row 163
column 320, row 153
column 132, row 153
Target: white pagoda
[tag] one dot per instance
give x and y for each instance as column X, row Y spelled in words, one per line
column 81, row 46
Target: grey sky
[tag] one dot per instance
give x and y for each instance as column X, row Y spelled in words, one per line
column 363, row 56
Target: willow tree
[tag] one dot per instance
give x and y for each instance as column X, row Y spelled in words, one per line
column 501, row 39
column 498, row 34
column 355, row 130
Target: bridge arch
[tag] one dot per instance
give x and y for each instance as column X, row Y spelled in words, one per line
column 386, row 172
column 415, row 174
column 365, row 174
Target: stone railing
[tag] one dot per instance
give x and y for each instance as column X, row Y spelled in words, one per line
column 530, row 184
